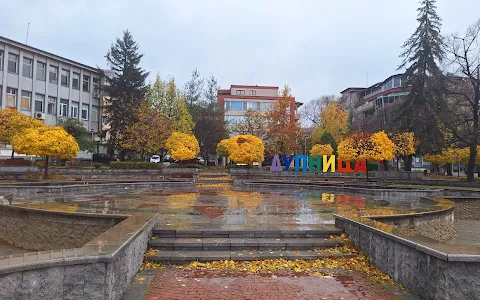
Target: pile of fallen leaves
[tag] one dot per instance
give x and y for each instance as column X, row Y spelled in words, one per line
column 317, row 267
column 147, row 265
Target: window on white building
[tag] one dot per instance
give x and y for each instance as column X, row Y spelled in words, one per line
column 96, row 87
column 27, row 67
column 266, row 106
column 253, row 92
column 12, row 63
column 52, row 104
column 1, row 60
column 25, row 100
column 240, row 92
column 84, row 114
column 74, row 110
column 94, row 114
column 41, row 70
column 63, row 108
column 86, row 83
column 64, row 79
column 53, row 75
column 234, row 119
column 76, row 81
column 397, row 81
column 39, row 100
column 11, row 97
column 253, row 105
column 235, row 105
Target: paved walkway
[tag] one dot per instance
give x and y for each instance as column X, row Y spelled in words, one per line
column 172, row 283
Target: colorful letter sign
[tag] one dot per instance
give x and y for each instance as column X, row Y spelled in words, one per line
column 327, row 163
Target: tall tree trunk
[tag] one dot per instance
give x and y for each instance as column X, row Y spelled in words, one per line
column 407, row 159
column 366, row 165
column 471, row 163
column 385, row 165
column 13, row 153
column 45, row 170
column 449, row 167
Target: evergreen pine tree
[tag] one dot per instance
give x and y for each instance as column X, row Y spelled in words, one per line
column 327, row 138
column 422, row 51
column 127, row 88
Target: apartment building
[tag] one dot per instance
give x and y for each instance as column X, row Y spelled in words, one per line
column 47, row 87
column 374, row 108
column 240, row 98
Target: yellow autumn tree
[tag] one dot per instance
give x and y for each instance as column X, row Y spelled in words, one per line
column 182, row 146
column 366, row 146
column 47, row 141
column 222, row 147
column 404, row 143
column 183, row 121
column 246, row 149
column 333, row 119
column 13, row 122
column 321, row 149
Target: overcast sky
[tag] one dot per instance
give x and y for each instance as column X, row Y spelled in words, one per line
column 317, row 47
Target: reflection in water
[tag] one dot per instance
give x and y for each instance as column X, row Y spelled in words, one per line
column 227, row 205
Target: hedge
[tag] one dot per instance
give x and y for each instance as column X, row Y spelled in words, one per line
column 188, row 166
column 134, row 165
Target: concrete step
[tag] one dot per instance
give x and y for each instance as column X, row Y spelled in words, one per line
column 236, row 244
column 178, row 257
column 212, row 175
column 323, row 231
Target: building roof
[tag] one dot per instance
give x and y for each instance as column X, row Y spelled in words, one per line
column 352, row 89
column 253, row 86
column 45, row 53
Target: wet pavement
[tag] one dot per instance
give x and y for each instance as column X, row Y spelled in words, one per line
column 222, row 207
column 172, row 283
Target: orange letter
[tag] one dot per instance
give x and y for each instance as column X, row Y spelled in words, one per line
column 341, row 169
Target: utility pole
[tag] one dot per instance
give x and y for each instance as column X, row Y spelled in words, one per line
column 28, row 27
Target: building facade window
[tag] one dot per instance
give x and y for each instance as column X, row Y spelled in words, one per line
column 84, row 114
column 253, row 93
column 253, row 105
column 39, row 100
column 76, row 81
column 94, row 114
column 96, row 87
column 52, row 104
column 11, row 97
column 25, row 100
column 63, row 108
column 12, row 63
column 53, row 75
column 41, row 70
column 266, row 106
column 27, row 67
column 1, row 60
column 234, row 119
column 64, row 79
column 235, row 105
column 240, row 92
column 74, row 110
column 397, row 81
column 86, row 83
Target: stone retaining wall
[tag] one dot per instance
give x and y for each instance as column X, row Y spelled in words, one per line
column 437, row 225
column 23, row 190
column 102, row 269
column 427, row 272
column 467, row 208
column 34, row 229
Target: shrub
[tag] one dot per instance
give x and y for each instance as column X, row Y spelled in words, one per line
column 134, row 165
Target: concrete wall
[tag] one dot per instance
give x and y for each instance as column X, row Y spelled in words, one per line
column 379, row 175
column 427, row 272
column 34, row 229
column 88, row 274
column 437, row 225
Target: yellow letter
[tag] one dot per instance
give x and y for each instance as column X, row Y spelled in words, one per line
column 328, row 163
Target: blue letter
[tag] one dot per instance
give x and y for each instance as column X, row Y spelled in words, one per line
column 287, row 161
column 299, row 157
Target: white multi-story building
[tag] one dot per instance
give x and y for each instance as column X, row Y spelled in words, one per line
column 47, row 87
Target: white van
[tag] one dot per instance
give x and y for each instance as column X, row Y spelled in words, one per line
column 155, row 159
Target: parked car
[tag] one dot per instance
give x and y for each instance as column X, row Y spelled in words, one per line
column 201, row 160
column 102, row 158
column 155, row 159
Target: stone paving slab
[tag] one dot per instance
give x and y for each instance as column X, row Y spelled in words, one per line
column 172, row 283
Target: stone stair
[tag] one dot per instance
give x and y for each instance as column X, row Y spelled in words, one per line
column 213, row 176
column 180, row 246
